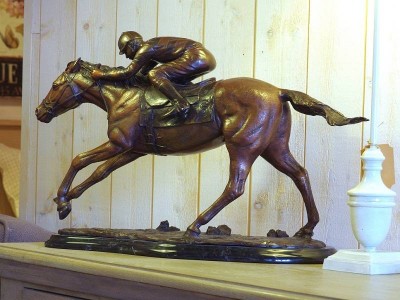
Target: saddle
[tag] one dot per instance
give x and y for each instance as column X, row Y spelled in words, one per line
column 158, row 111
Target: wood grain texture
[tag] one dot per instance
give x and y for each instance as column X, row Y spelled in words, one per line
column 335, row 76
column 95, row 31
column 29, row 124
column 132, row 185
column 281, row 59
column 323, row 48
column 229, row 33
column 176, row 178
column 54, row 148
column 388, row 97
column 138, row 277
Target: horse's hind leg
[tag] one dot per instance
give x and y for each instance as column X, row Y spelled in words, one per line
column 240, row 165
column 278, row 154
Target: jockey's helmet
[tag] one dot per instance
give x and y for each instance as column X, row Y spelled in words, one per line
column 130, row 38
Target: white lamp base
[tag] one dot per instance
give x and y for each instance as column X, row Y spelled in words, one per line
column 360, row 261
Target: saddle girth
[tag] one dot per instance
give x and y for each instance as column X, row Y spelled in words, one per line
column 157, row 111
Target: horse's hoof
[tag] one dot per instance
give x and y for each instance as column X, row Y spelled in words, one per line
column 192, row 233
column 59, row 200
column 304, row 234
column 190, row 236
column 63, row 210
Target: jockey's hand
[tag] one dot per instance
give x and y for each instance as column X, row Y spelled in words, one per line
column 141, row 76
column 97, row 74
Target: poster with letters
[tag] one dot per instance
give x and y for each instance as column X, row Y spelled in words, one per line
column 11, row 49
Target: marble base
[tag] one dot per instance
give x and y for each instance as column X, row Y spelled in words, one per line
column 362, row 262
column 154, row 243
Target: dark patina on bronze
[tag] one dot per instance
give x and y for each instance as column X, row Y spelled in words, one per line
column 251, row 117
column 217, row 244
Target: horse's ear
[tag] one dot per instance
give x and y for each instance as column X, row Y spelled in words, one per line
column 74, row 66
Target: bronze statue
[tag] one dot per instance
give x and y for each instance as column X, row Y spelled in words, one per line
column 164, row 60
column 251, row 117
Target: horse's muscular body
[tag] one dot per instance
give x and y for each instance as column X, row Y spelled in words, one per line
column 252, row 118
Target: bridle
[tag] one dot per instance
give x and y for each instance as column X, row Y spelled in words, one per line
column 77, row 93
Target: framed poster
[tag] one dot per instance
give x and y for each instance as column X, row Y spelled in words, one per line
column 11, row 52
column 10, row 76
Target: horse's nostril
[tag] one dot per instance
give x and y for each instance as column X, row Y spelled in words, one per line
column 36, row 111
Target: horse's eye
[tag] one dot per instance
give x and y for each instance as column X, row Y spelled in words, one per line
column 55, row 86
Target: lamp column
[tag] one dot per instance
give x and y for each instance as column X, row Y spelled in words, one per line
column 371, row 202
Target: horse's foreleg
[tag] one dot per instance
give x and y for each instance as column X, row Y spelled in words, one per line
column 240, row 166
column 82, row 160
column 103, row 171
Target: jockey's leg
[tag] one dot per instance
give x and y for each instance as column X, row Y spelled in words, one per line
column 160, row 80
column 192, row 64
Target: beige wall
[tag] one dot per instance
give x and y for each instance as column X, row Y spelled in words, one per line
column 319, row 47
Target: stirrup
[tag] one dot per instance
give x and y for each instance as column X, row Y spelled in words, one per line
column 183, row 112
column 182, row 108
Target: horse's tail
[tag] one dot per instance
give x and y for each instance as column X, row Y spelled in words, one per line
column 307, row 105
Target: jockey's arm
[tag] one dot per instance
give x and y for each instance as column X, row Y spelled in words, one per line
column 142, row 58
column 123, row 73
column 147, row 68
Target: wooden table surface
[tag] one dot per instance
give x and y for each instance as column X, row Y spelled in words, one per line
column 198, row 278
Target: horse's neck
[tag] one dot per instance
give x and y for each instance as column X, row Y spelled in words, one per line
column 96, row 96
column 105, row 94
column 109, row 94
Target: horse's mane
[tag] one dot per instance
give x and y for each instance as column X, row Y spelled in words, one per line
column 87, row 68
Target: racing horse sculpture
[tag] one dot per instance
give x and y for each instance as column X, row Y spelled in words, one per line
column 251, row 117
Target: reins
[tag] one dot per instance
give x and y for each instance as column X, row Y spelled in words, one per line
column 97, row 82
column 77, row 92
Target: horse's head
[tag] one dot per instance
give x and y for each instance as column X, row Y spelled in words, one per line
column 71, row 88
column 65, row 94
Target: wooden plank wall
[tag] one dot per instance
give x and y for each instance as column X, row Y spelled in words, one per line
column 319, row 47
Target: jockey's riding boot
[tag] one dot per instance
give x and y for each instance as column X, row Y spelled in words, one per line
column 183, row 107
column 175, row 97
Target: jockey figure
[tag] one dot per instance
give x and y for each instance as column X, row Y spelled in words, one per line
column 164, row 60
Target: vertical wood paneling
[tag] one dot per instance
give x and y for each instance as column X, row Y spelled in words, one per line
column 229, row 34
column 29, row 123
column 388, row 97
column 281, row 59
column 335, row 76
column 57, row 47
column 131, row 200
column 95, row 42
column 328, row 64
column 182, row 18
column 176, row 178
